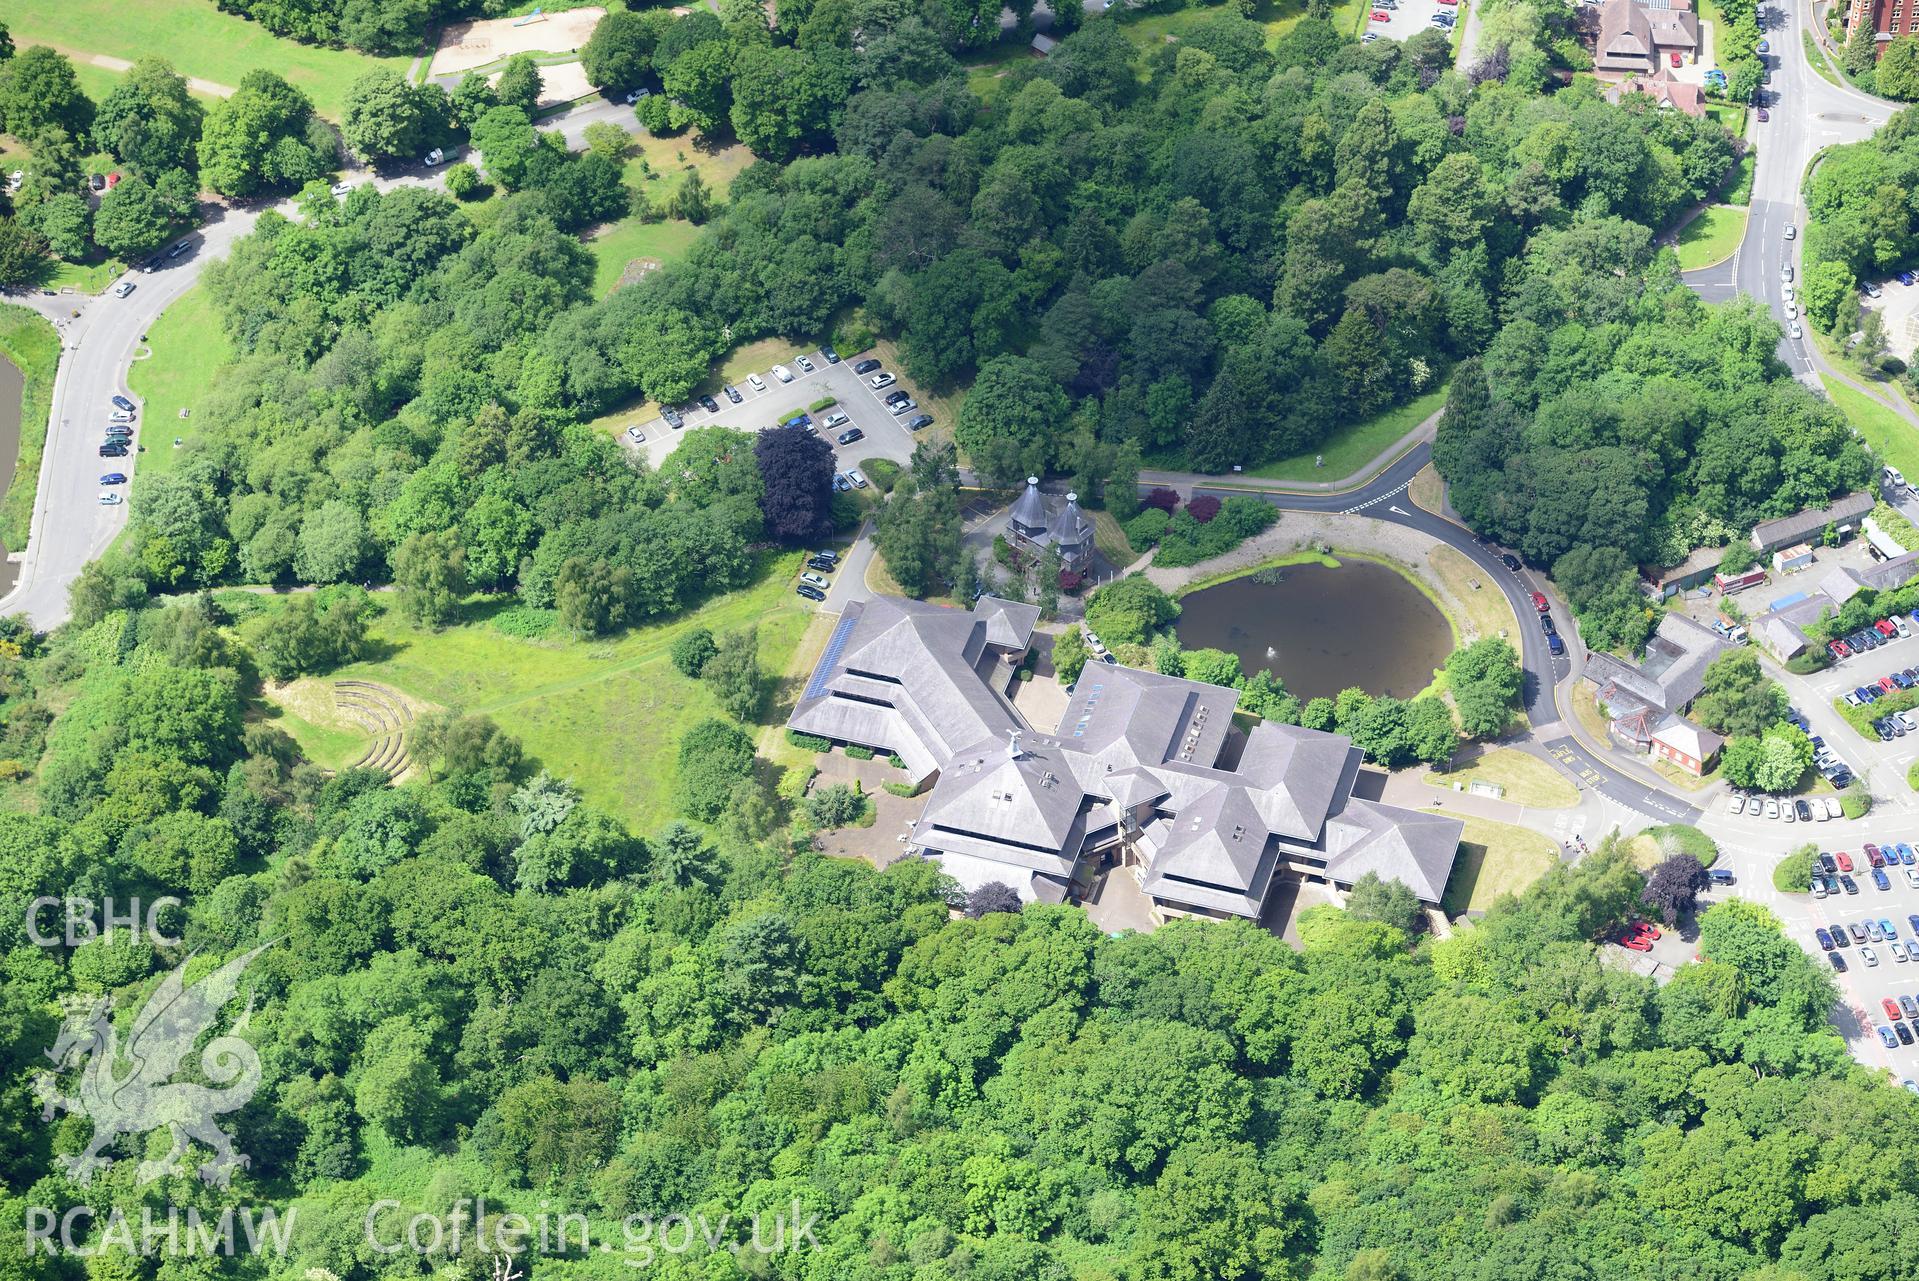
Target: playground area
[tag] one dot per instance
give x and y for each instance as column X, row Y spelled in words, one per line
column 472, row 46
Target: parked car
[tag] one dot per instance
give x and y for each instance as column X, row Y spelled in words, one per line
column 756, row 382
column 113, row 449
column 815, row 579
column 125, row 287
column 829, row 556
column 782, row 373
column 810, row 592
column 918, row 421
column 804, row 363
column 1826, row 863
column 1546, row 624
column 1556, row 646
column 709, row 404
column 635, row 435
column 859, row 481
column 1825, row 939
column 832, row 357
column 435, row 156
column 1637, row 942
column 834, row 420
column 822, row 564
column 110, row 498
column 1539, row 602
column 866, row 366
column 1838, row 961
column 1847, row 884
column 1891, row 1007
column 1869, row 956
column 1772, row 809
column 895, row 396
column 850, row 435
column 121, row 402
column 1885, row 1034
column 905, row 406
column 881, row 379
column 672, row 417
column 1805, row 811
column 1880, row 881
column 342, row 188
column 1904, row 1033
column 1510, row 561
column 732, row 393
column 1738, row 804
column 114, row 478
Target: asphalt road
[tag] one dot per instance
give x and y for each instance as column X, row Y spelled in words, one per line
column 1385, row 498
column 1808, row 113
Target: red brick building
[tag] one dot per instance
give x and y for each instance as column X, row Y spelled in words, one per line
column 1887, row 18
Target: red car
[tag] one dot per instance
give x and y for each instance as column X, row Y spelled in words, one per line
column 1887, row 684
column 1844, row 860
column 1540, row 603
column 1891, row 1007
column 1839, row 649
column 1637, row 942
column 1645, row 929
column 1380, row 15
column 1675, row 59
column 1885, row 627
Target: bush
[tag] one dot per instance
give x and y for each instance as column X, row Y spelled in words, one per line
column 1070, row 581
column 528, row 622
column 883, row 472
column 1814, row 659
column 839, row 805
column 824, row 402
column 857, row 753
column 1912, row 777
column 714, row 756
column 1188, row 542
column 1144, row 530
column 1203, row 508
column 854, row 334
column 1855, row 802
column 1129, row 611
column 1793, row 875
column 808, row 742
column 1164, row 499
column 693, row 651
column 463, row 181
column 895, row 761
column 898, row 789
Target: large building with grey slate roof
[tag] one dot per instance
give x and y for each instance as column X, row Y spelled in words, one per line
column 1143, row 771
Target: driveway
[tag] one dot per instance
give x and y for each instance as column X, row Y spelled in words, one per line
column 885, row 433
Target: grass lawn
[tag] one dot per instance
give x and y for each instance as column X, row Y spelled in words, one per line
column 657, row 166
column 197, row 38
column 1680, row 778
column 1111, row 540
column 607, row 714
column 188, row 348
column 1488, row 612
column 1817, row 58
column 1891, row 437
column 1586, row 708
column 1428, row 490
column 1712, row 237
column 1731, row 115
column 88, row 278
column 1527, row 779
column 1494, row 859
column 617, row 244
column 986, row 69
column 1357, row 445
column 32, row 345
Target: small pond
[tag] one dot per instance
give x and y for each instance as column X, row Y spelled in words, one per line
column 1321, row 629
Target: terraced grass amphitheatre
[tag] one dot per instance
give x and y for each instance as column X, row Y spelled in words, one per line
column 382, row 712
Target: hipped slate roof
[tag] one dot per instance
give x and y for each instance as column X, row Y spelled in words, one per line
column 1667, row 678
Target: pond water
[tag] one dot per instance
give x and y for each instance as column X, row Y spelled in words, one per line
column 1321, row 629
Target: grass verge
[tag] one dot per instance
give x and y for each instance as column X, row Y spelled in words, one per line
column 1527, row 780
column 1353, row 447
column 1586, row 710
column 188, row 347
column 608, row 714
column 1494, row 859
column 32, row 345
column 1488, row 612
column 1817, row 58
column 1712, row 237
column 1882, row 427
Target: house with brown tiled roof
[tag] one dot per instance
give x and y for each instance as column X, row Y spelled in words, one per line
column 1666, row 93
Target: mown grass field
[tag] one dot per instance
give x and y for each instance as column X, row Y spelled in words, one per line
column 188, row 348
column 1494, row 859
column 1527, row 780
column 617, row 244
column 1712, row 237
column 607, row 714
column 197, row 38
column 33, row 347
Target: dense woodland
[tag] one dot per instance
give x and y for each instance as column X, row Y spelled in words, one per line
column 483, row 986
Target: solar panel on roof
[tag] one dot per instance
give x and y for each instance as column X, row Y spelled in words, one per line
column 831, row 658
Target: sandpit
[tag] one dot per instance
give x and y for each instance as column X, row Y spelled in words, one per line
column 467, row 45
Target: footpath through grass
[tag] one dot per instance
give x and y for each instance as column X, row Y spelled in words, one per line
column 1712, row 237
column 197, row 38
column 1353, row 447
column 607, row 714
column 1891, row 437
column 32, row 345
column 188, row 347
